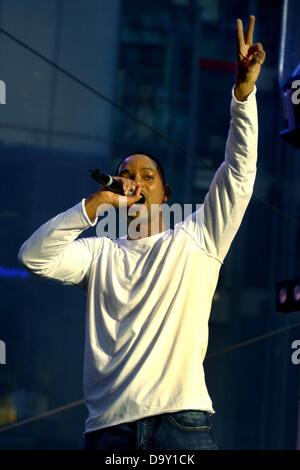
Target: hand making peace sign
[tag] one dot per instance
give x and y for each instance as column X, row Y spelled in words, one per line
column 250, row 57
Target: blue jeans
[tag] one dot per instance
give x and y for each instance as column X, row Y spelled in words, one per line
column 181, row 430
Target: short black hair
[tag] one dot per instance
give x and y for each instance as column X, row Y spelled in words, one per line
column 156, row 161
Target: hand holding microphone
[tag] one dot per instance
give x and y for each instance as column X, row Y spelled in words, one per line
column 117, row 189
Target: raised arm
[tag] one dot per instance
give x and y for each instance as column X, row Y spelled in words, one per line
column 216, row 222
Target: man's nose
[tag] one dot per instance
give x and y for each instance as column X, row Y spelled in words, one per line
column 137, row 179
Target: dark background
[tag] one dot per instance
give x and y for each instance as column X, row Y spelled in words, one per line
column 171, row 64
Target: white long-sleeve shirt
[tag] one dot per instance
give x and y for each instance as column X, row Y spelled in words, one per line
column 149, row 300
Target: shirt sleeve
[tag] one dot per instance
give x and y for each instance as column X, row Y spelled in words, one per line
column 53, row 252
column 215, row 223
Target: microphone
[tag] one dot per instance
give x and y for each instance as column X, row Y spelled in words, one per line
column 111, row 183
column 107, row 180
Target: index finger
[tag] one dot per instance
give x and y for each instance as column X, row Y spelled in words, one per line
column 240, row 33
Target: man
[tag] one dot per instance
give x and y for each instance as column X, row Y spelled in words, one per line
column 149, row 294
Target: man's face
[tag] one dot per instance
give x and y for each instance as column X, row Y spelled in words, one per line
column 142, row 169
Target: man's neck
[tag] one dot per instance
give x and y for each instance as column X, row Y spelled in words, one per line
column 147, row 229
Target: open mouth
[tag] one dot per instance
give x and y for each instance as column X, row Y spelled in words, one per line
column 142, row 200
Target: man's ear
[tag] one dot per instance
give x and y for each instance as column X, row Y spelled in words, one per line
column 168, row 193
